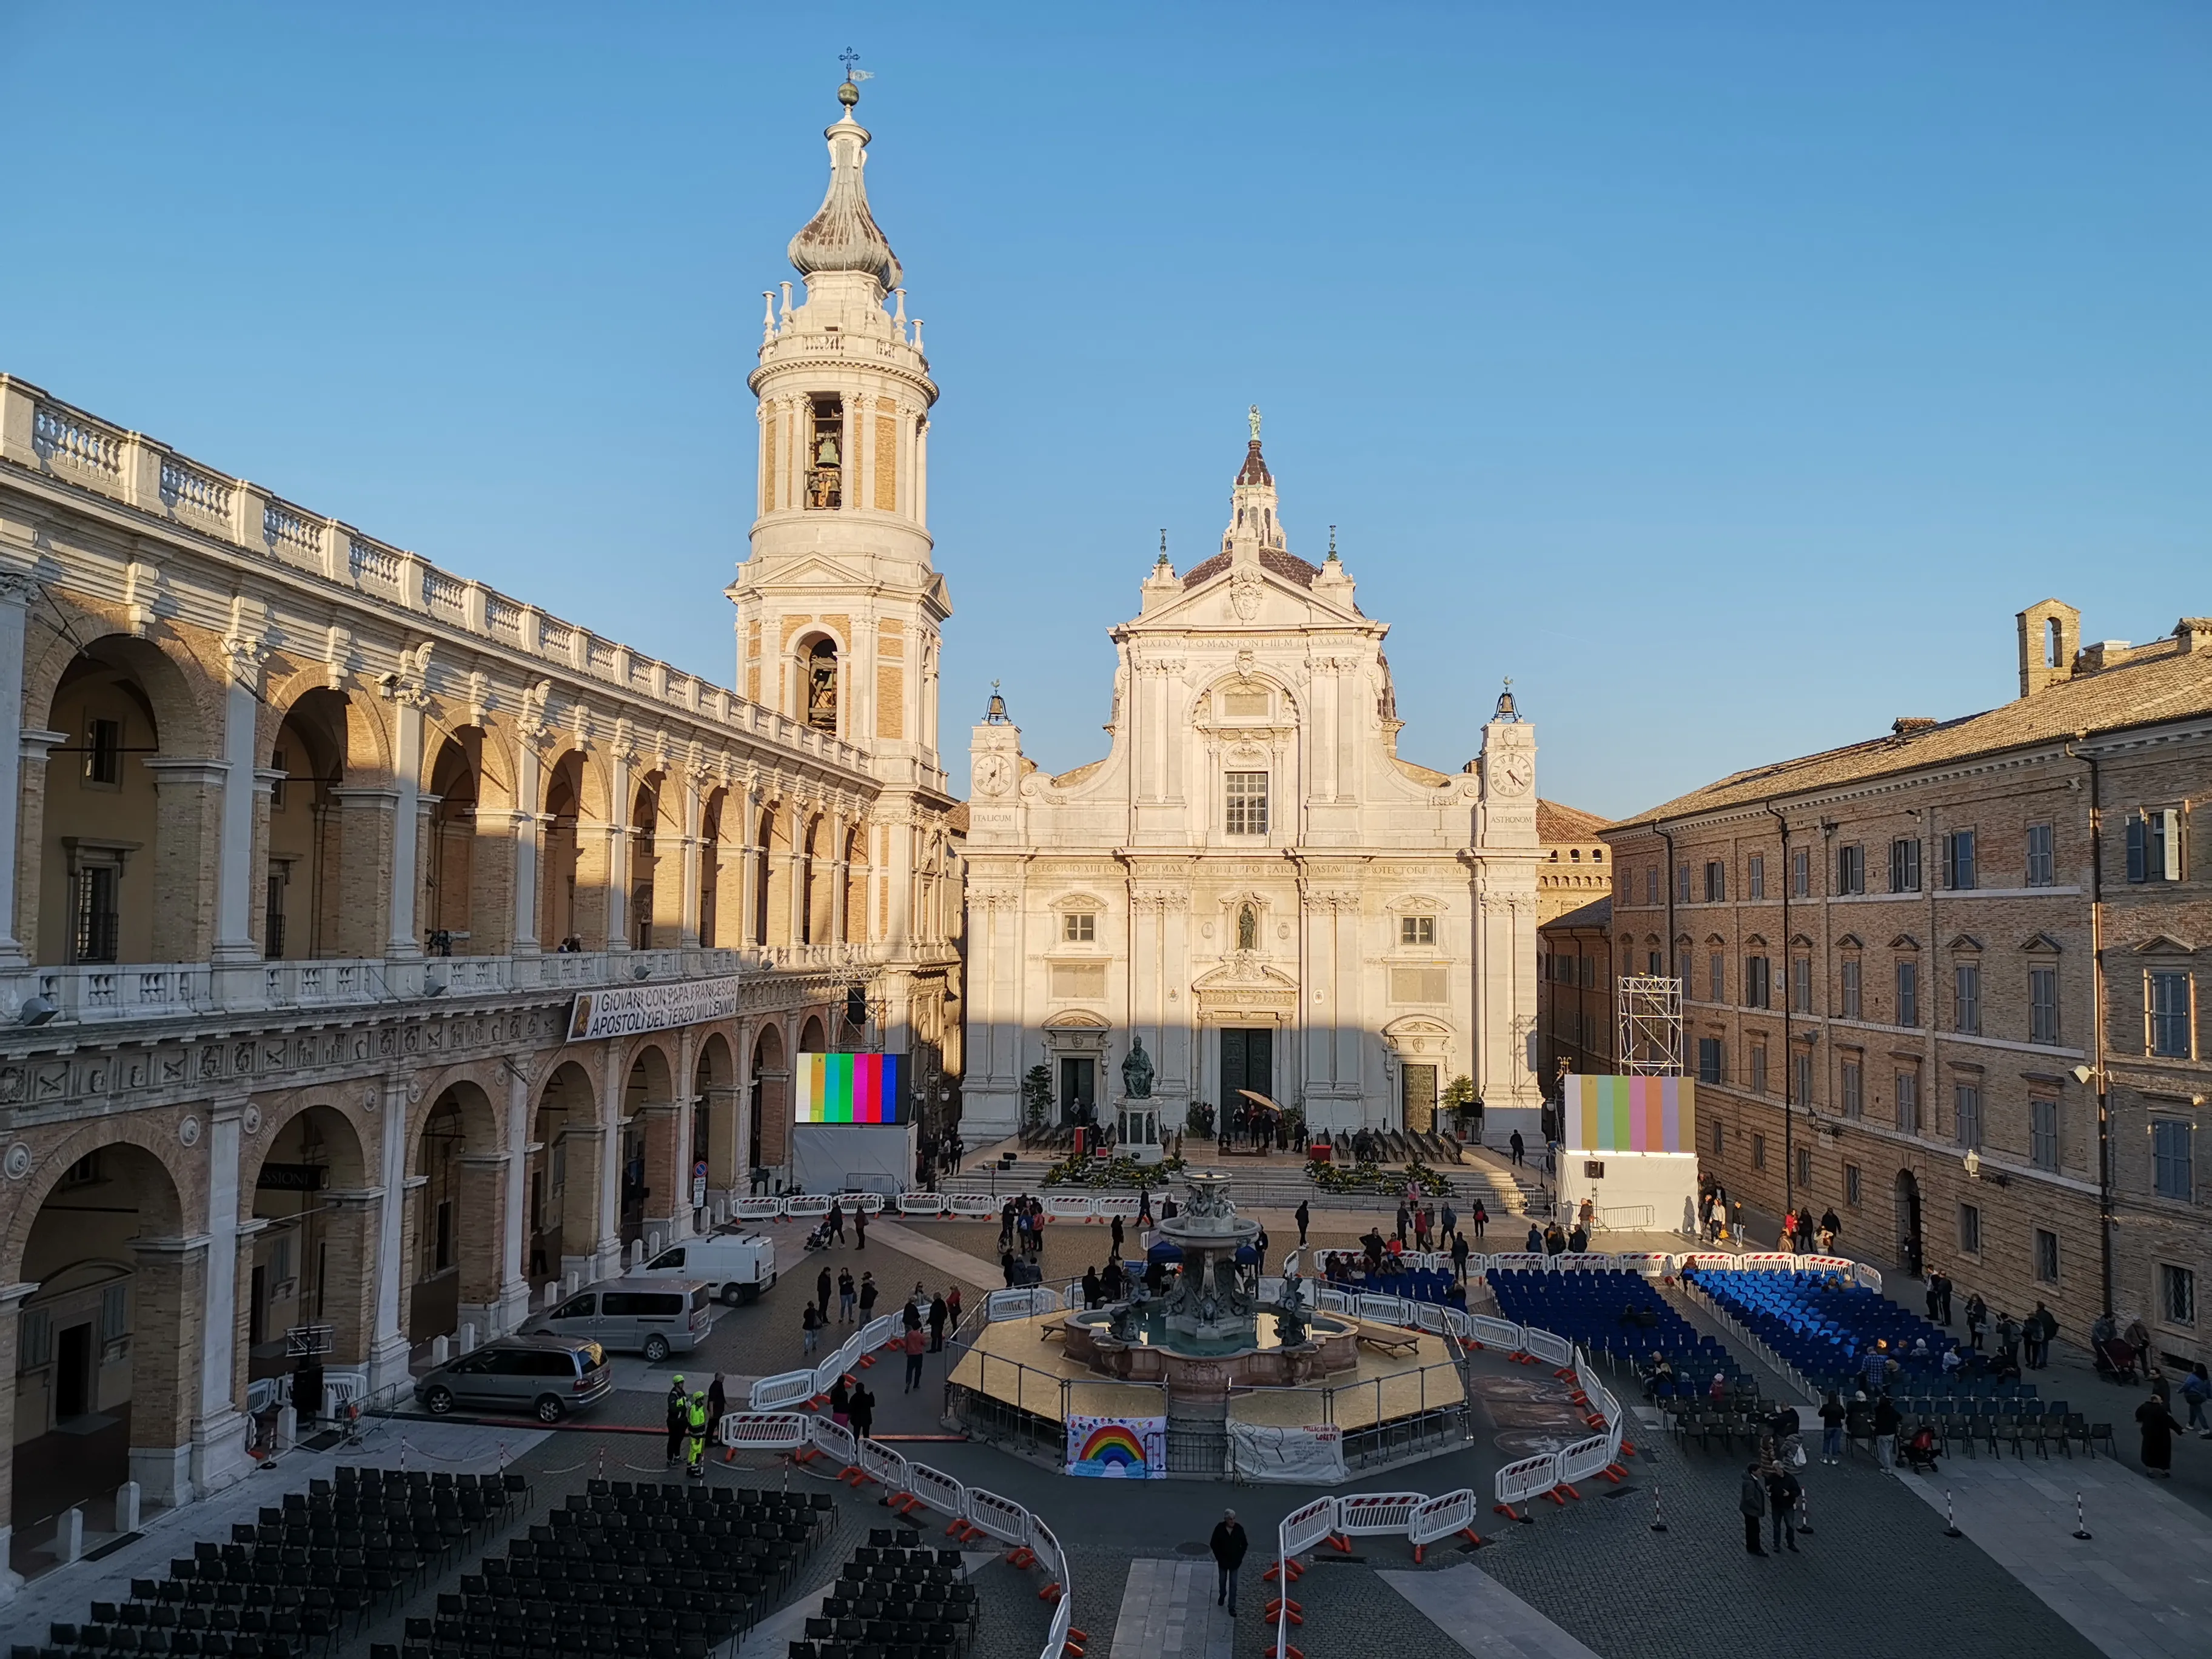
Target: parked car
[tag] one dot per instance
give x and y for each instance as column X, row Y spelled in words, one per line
column 656, row 1317
column 542, row 1377
column 740, row 1266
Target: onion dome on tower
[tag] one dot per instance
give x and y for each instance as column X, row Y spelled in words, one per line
column 843, row 235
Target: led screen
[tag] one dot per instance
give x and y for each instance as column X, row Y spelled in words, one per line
column 850, row 1089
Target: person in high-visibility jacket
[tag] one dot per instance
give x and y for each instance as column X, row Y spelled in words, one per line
column 695, row 1423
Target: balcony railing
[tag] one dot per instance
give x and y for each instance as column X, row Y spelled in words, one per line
column 107, row 992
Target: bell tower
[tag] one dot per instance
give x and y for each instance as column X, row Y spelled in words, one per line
column 840, row 612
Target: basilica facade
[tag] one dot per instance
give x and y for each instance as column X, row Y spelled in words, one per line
column 1252, row 884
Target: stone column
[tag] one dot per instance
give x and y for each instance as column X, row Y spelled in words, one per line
column 11, row 1307
column 218, row 1434
column 349, row 1283
column 361, row 906
column 234, row 880
column 17, row 589
column 689, row 868
column 618, row 856
column 480, row 1204
column 529, row 798
column 1177, row 1062
column 29, row 850
column 514, row 1281
column 606, row 1248
column 667, row 1171
column 403, row 938
column 169, row 1294
column 189, row 808
column 741, row 1112
column 839, row 876
column 387, row 1348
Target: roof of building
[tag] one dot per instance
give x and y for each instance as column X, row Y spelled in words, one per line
column 1598, row 913
column 1558, row 822
column 2162, row 681
column 1255, row 470
column 843, row 235
column 1289, row 566
column 956, row 819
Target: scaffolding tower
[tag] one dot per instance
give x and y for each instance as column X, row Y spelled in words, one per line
column 1650, row 1012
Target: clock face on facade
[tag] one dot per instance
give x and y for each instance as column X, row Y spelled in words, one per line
column 992, row 774
column 1514, row 772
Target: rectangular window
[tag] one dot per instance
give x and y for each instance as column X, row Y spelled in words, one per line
column 1908, row 993
column 1759, row 1068
column 1247, row 794
column 2043, row 1133
column 1802, row 1065
column 1800, row 874
column 34, row 1342
column 283, row 770
column 1419, row 930
column 1079, row 928
column 2043, row 1005
column 1850, row 869
column 1804, row 1166
column 1651, row 886
column 825, row 453
column 1720, row 1137
column 97, row 915
column 1904, row 864
column 1852, row 1000
column 1681, row 883
column 103, row 752
column 114, row 1313
column 2172, row 1173
column 1958, row 860
column 1756, row 986
column 1970, row 1230
column 2165, row 1000
column 1717, row 966
column 2177, row 1295
column 1756, row 875
column 2046, row 1255
column 1966, row 998
column 1589, row 972
column 2154, row 845
column 2042, row 862
column 1852, row 1080
column 1758, row 1151
column 1851, row 1185
column 1709, row 1060
column 1908, row 1103
column 1652, row 965
column 1716, row 882
column 1800, row 984
column 1967, row 1104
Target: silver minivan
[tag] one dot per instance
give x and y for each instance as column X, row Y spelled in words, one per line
column 655, row 1317
column 544, row 1377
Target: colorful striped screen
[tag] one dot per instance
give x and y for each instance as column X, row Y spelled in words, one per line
column 1631, row 1114
column 849, row 1088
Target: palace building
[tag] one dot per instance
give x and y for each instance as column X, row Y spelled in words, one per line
column 1252, row 881
column 376, row 948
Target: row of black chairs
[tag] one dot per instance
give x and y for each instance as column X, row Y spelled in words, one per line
column 892, row 1597
column 642, row 1572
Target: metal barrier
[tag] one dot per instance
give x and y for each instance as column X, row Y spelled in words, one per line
column 757, row 1209
column 1489, row 1332
column 878, row 1333
column 856, row 1200
column 1386, row 1310
column 1530, row 1259
column 836, row 1366
column 886, row 1468
column 804, row 1205
column 1867, row 1276
column 1531, row 1477
column 1767, row 1260
column 1584, row 1459
column 1596, row 1262
column 971, row 1205
column 1330, row 1301
column 920, row 1204
column 1023, row 1302
column 835, row 1438
column 1068, row 1206
column 1376, row 1511
column 1063, row 1627
column 1552, row 1350
column 786, row 1389
column 937, row 1490
column 1106, row 1205
column 1651, row 1264
column 998, row 1518
column 1305, row 1527
column 762, row 1431
column 1450, row 1516
column 1429, row 1316
column 1457, row 1320
column 1827, row 1264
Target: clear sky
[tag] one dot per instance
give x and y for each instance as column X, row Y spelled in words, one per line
column 1728, row 375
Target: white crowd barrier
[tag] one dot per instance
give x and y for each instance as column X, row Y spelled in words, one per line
column 1867, row 1276
column 920, row 1204
column 884, row 1466
column 786, row 1389
column 1378, row 1511
column 758, row 1209
column 1023, row 1302
column 1584, row 1458
column 1651, row 1264
column 971, row 1207
column 1068, row 1206
column 1385, row 1309
column 937, row 1490
column 1530, row 1259
column 878, row 1333
column 1441, row 1517
column 1330, row 1301
column 803, row 1206
column 1493, row 1331
column 998, row 1518
column 1767, row 1260
column 1552, row 1350
column 764, row 1430
column 871, row 1202
column 1530, row 1477
column 1106, row 1205
column 834, row 1438
column 1827, row 1264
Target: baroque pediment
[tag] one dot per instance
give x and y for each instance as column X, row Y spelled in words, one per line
column 1245, row 968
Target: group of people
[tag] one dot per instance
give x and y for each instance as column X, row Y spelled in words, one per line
column 1801, row 1234
column 1433, row 1229
column 1771, row 1490
column 1549, row 1240
column 691, row 1417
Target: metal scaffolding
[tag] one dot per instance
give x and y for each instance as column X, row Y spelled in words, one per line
column 1651, row 1032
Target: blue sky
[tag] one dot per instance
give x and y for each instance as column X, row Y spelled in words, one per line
column 1727, row 375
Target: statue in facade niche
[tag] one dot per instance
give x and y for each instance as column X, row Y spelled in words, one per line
column 1137, row 1071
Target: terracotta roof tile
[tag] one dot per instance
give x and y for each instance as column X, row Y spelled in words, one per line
column 1555, row 821
column 1288, row 566
column 1598, row 913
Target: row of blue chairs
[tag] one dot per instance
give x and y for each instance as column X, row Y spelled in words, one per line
column 1588, row 1309
column 1822, row 1328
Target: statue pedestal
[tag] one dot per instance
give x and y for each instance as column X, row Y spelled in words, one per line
column 1137, row 1124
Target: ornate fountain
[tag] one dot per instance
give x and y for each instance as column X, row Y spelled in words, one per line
column 1204, row 1336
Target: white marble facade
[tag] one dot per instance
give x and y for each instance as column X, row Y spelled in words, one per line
column 1252, row 881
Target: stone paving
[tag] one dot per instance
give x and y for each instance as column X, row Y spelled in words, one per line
column 1483, row 1616
column 1168, row 1611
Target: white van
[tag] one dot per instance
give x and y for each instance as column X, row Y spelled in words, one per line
column 739, row 1265
column 653, row 1320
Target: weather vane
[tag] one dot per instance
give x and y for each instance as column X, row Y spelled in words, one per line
column 853, row 72
column 1252, row 415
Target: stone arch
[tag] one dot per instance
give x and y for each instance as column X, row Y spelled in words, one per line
column 1199, row 709
column 567, row 1145
column 857, row 871
column 711, row 853
column 714, row 1114
column 768, row 1111
column 571, row 904
column 114, row 1329
column 304, row 914
column 456, row 1201
column 649, row 1103
column 819, row 679
column 772, row 917
column 813, row 1039
column 311, row 1260
column 120, row 824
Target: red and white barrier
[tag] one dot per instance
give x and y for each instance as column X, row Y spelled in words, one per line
column 763, row 1431
column 923, row 1204
column 970, row 1207
column 1518, row 1482
column 1450, row 1516
column 772, row 1394
column 1376, row 1511
column 804, row 1206
column 1068, row 1206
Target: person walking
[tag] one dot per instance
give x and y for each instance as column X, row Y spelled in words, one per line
column 867, row 1297
column 1006, row 1226
column 1117, row 1236
column 718, row 1400
column 2159, row 1429
column 2196, row 1390
column 1481, row 1217
column 676, row 1401
column 810, row 1323
column 1228, row 1544
column 1405, row 1221
column 2009, row 1337
column 915, row 1345
column 1260, row 1245
column 860, row 1406
column 1447, row 1224
column 859, row 1228
column 1518, row 1147
column 1886, row 1417
column 1832, row 1429
column 1458, row 1257
column 1303, row 1215
column 938, row 1314
column 1751, row 1499
column 845, row 1296
column 822, row 1287
column 1977, row 1320
column 953, row 1308
column 836, row 1219
column 1782, row 1492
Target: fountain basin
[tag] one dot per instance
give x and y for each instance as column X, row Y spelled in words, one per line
column 1200, row 1366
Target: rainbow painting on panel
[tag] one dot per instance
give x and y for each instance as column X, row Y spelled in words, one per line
column 849, row 1088
column 1630, row 1114
column 1118, row 1447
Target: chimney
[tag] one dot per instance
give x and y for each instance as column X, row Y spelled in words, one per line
column 2195, row 633
column 2049, row 635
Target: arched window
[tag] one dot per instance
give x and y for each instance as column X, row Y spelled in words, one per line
column 1248, row 929
column 821, row 686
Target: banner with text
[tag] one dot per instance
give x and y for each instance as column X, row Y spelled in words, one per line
column 635, row 1008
